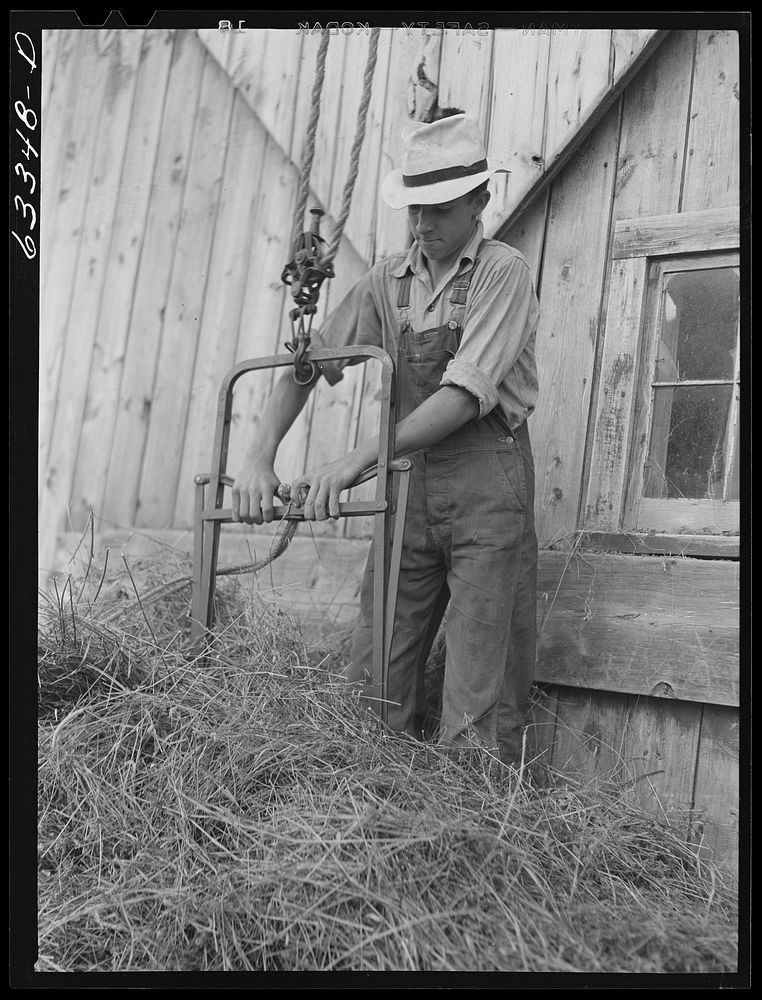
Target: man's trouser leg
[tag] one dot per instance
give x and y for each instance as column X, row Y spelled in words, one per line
column 470, row 524
column 421, row 602
column 491, row 624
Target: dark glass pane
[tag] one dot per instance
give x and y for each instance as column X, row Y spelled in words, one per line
column 699, row 325
column 687, row 454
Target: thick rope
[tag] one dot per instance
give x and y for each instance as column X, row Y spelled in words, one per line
column 309, row 146
column 354, row 159
column 281, row 540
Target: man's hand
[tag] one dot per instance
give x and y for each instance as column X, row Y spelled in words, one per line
column 253, row 492
column 324, row 485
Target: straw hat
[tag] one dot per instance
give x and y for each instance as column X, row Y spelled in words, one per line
column 442, row 161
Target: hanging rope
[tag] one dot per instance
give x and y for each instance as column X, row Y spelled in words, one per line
column 309, row 146
column 280, row 542
column 311, row 259
column 354, row 158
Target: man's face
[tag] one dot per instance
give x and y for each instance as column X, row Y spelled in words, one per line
column 442, row 230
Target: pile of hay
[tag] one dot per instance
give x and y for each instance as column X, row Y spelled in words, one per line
column 243, row 813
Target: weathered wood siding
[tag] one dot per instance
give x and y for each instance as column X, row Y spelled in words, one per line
column 170, row 167
column 639, row 161
column 639, row 653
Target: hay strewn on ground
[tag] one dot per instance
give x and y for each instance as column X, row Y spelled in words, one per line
column 245, row 814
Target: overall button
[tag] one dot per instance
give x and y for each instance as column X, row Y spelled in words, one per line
column 453, row 325
column 416, row 357
column 431, row 308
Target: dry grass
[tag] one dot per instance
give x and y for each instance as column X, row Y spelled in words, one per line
column 243, row 813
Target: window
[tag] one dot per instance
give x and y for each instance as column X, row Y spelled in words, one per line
column 665, row 445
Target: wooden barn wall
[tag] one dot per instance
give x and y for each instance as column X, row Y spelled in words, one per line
column 170, row 165
column 616, row 700
column 670, row 144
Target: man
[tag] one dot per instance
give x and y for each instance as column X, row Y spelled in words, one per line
column 459, row 314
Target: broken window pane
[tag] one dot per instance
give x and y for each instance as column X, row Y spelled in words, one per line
column 690, row 444
column 699, row 324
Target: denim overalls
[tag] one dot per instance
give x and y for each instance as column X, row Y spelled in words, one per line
column 469, row 537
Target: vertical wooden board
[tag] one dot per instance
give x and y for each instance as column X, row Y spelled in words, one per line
column 218, row 43
column 226, row 286
column 303, row 97
column 643, row 340
column 339, row 131
column 574, row 260
column 64, row 186
column 78, row 324
column 466, row 75
column 715, row 819
column 50, row 40
column 121, row 189
column 712, row 168
column 361, row 224
column 654, row 120
column 589, row 736
column 410, row 49
column 332, row 122
column 59, row 109
column 263, row 326
column 151, row 287
column 186, row 299
column 527, row 234
column 121, row 270
column 661, row 749
column 616, row 397
column 121, row 54
column 70, row 114
column 274, row 97
column 627, row 44
column 517, row 122
column 579, row 75
column 245, row 58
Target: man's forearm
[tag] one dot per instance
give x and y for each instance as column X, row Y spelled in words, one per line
column 437, row 417
column 441, row 414
column 285, row 404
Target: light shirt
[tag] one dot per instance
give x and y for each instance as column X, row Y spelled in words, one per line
column 495, row 361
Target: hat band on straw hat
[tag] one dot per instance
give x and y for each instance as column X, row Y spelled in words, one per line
column 446, row 174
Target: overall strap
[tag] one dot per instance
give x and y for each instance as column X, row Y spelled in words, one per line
column 461, row 285
column 403, row 291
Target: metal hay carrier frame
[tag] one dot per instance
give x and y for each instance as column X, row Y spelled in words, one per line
column 387, row 552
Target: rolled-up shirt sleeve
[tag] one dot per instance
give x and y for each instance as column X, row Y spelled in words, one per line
column 498, row 326
column 354, row 321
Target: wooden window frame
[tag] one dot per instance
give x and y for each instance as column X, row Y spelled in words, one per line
column 623, row 405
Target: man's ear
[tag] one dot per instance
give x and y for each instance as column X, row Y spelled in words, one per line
column 481, row 201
